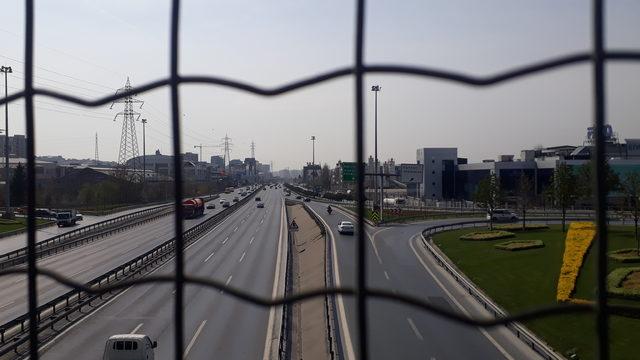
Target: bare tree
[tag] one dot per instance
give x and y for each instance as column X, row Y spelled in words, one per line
column 524, row 191
column 488, row 195
column 564, row 190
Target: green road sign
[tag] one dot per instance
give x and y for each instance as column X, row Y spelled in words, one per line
column 349, row 171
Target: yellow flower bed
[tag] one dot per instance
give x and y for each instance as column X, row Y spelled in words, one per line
column 579, row 238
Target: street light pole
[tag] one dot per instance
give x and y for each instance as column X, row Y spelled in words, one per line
column 313, row 153
column 375, row 89
column 6, row 70
column 144, row 150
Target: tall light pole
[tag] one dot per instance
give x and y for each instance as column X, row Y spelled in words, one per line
column 313, row 158
column 376, row 89
column 144, row 150
column 7, row 193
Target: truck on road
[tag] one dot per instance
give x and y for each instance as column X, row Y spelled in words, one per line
column 192, row 208
column 67, row 217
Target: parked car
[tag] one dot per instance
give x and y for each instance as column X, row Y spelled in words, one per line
column 260, row 205
column 129, row 347
column 346, row 227
column 211, row 206
column 502, row 215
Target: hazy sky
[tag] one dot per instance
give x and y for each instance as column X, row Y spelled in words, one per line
column 88, row 48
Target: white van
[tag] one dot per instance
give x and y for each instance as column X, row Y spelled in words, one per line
column 129, row 347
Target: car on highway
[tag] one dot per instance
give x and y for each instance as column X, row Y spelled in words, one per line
column 346, row 227
column 307, row 199
column 260, row 205
column 235, row 199
column 298, row 197
column 258, row 198
column 502, row 215
column 211, row 206
column 129, row 347
column 222, row 201
column 226, row 204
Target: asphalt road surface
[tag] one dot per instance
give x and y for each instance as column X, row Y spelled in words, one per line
column 241, row 252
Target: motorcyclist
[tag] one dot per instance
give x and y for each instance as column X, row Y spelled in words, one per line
column 329, row 209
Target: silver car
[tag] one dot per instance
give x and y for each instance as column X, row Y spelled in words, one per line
column 346, row 227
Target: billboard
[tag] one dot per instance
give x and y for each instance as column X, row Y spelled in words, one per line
column 411, row 173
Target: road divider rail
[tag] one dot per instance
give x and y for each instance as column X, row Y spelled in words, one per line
column 14, row 333
column 518, row 329
column 87, row 234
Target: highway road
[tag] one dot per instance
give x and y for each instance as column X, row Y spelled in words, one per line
column 241, row 251
column 90, row 260
column 396, row 262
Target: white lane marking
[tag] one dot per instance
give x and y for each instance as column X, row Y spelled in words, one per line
column 7, row 304
column 110, row 301
column 236, row 229
column 455, row 301
column 228, row 280
column 209, row 257
column 261, row 221
column 386, row 274
column 251, row 241
column 193, row 339
column 341, row 309
column 242, row 257
column 415, row 329
column 266, row 355
column 135, row 330
column 225, row 240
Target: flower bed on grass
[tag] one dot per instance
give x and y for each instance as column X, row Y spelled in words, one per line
column 516, row 245
column 578, row 240
column 624, row 283
column 518, row 227
column 487, row 235
column 625, row 255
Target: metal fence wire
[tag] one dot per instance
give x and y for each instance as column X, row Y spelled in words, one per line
column 597, row 56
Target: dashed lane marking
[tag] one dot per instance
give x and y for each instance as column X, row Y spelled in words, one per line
column 415, row 329
column 135, row 330
column 209, row 257
column 193, row 339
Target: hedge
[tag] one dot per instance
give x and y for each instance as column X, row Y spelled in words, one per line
column 614, row 283
column 515, row 245
column 487, row 235
column 625, row 255
column 518, row 227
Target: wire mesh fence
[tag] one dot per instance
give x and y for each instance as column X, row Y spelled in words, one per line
column 598, row 56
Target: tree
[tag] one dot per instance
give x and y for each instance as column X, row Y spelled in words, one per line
column 18, row 182
column 564, row 190
column 630, row 186
column 325, row 177
column 524, row 191
column 586, row 180
column 488, row 195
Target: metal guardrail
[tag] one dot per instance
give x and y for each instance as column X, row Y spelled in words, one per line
column 87, row 234
column 60, row 308
column 518, row 329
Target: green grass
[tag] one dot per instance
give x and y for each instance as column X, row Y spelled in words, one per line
column 525, row 279
column 17, row 224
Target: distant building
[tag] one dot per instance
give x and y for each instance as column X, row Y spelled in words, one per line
column 217, row 161
column 438, row 177
column 311, row 172
column 189, row 156
column 17, row 146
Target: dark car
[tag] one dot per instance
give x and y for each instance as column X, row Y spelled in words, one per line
column 260, row 205
column 258, row 198
column 307, row 199
column 298, row 197
column 211, row 206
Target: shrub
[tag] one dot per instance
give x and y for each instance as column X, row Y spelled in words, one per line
column 578, row 240
column 625, row 255
column 487, row 235
column 614, row 283
column 518, row 227
column 515, row 245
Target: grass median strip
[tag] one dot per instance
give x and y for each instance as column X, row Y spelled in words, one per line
column 523, row 280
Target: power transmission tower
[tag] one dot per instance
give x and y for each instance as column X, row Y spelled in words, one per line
column 226, row 144
column 96, row 158
column 253, row 149
column 128, row 139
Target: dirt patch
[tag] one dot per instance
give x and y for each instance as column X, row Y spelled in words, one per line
column 632, row 281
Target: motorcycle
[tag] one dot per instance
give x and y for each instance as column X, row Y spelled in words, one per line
column 329, row 210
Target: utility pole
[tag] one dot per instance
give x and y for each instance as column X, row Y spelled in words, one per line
column 7, row 192
column 313, row 158
column 96, row 158
column 226, row 144
column 376, row 89
column 144, row 149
